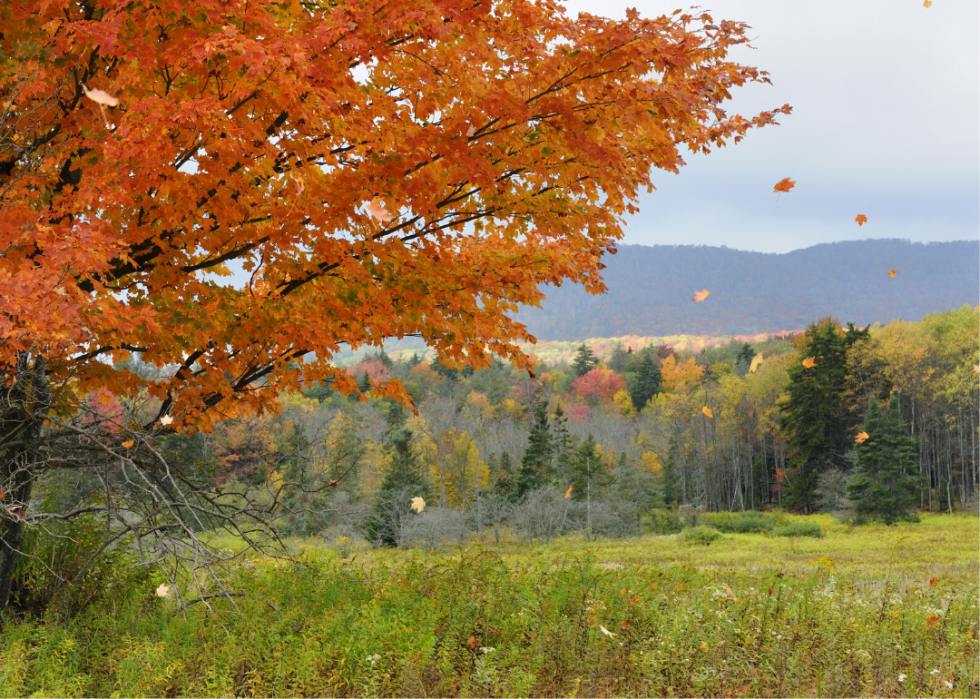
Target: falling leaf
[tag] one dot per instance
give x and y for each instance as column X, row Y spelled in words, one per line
column 60, row 290
column 2, row 493
column 892, row 273
column 730, row 593
column 809, row 362
column 163, row 590
column 861, row 219
column 299, row 184
column 976, row 368
column 701, row 295
column 927, row 3
column 128, row 444
column 933, row 582
column 19, row 511
column 861, row 436
column 707, row 411
column 605, row 630
column 471, row 132
column 100, row 97
column 568, row 493
column 756, row 363
column 377, row 211
column 784, row 185
column 418, row 504
column 166, row 420
column 332, row 482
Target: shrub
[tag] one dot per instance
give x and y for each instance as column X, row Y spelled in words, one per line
column 700, row 534
column 799, row 528
column 740, row 522
column 433, row 529
column 665, row 521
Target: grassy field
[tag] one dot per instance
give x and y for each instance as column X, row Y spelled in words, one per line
column 874, row 610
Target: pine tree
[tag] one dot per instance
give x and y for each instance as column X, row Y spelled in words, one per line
column 536, row 462
column 647, row 382
column 561, row 446
column 403, row 481
column 815, row 420
column 619, row 359
column 886, row 484
column 590, row 474
column 364, row 383
column 585, row 361
column 502, row 475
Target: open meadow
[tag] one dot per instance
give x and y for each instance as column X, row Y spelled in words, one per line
column 861, row 611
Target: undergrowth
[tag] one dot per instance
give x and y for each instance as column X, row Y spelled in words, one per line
column 572, row 618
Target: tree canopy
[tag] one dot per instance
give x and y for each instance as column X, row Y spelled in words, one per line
column 367, row 169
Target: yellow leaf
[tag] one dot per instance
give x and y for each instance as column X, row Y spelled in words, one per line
column 756, row 363
column 568, row 493
column 418, row 504
column 128, row 444
column 809, row 362
column 927, row 3
column 162, row 590
column 166, row 420
column 470, row 132
column 707, row 411
column 861, row 436
column 892, row 273
column 701, row 295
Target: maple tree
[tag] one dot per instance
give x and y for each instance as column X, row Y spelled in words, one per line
column 485, row 148
column 234, row 192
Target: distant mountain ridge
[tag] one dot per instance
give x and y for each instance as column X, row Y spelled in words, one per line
column 650, row 289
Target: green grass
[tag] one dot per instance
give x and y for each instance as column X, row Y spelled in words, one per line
column 862, row 611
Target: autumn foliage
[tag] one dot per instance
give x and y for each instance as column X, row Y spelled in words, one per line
column 226, row 188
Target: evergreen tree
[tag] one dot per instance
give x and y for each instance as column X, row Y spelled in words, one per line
column 619, row 359
column 536, row 462
column 585, row 361
column 815, row 420
column 886, row 483
column 647, row 382
column 743, row 360
column 502, row 475
column 561, row 446
column 590, row 474
column 363, row 383
column 403, row 481
column 634, row 490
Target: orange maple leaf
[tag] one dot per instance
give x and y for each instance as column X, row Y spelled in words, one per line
column 892, row 273
column 707, row 411
column 784, row 185
column 568, row 493
column 377, row 211
column 128, row 443
column 861, row 219
column 701, row 295
column 861, row 436
column 809, row 362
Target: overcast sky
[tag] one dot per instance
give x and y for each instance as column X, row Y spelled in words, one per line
column 886, row 114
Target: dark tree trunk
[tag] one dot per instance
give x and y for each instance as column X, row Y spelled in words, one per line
column 24, row 404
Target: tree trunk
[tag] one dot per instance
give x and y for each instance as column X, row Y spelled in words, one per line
column 24, row 405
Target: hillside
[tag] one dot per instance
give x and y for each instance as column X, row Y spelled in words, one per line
column 650, row 289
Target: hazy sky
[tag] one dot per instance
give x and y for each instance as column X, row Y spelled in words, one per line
column 886, row 114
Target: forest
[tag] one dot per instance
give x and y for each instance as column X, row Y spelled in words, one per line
column 606, row 444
